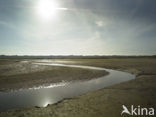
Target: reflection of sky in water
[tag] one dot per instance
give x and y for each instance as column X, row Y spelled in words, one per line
column 42, row 96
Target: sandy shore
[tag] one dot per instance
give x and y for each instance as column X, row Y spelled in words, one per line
column 106, row 102
column 20, row 74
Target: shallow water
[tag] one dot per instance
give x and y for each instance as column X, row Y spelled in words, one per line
column 44, row 95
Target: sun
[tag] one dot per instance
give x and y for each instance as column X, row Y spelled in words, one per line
column 47, row 9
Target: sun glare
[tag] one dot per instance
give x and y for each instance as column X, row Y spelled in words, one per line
column 47, row 9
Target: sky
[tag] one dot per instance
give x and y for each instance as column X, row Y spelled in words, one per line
column 77, row 27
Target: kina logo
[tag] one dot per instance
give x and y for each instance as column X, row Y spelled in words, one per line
column 137, row 111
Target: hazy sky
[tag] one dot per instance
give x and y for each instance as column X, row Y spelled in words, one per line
column 79, row 27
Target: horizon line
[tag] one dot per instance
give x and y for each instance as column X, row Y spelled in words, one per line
column 78, row 55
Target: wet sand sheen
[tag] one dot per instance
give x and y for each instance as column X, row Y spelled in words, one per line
column 42, row 96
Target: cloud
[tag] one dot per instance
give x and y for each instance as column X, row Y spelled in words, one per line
column 99, row 23
column 6, row 24
column 88, row 27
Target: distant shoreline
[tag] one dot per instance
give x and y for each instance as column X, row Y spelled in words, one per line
column 73, row 56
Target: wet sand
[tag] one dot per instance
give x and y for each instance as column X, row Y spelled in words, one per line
column 20, row 74
column 106, row 102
